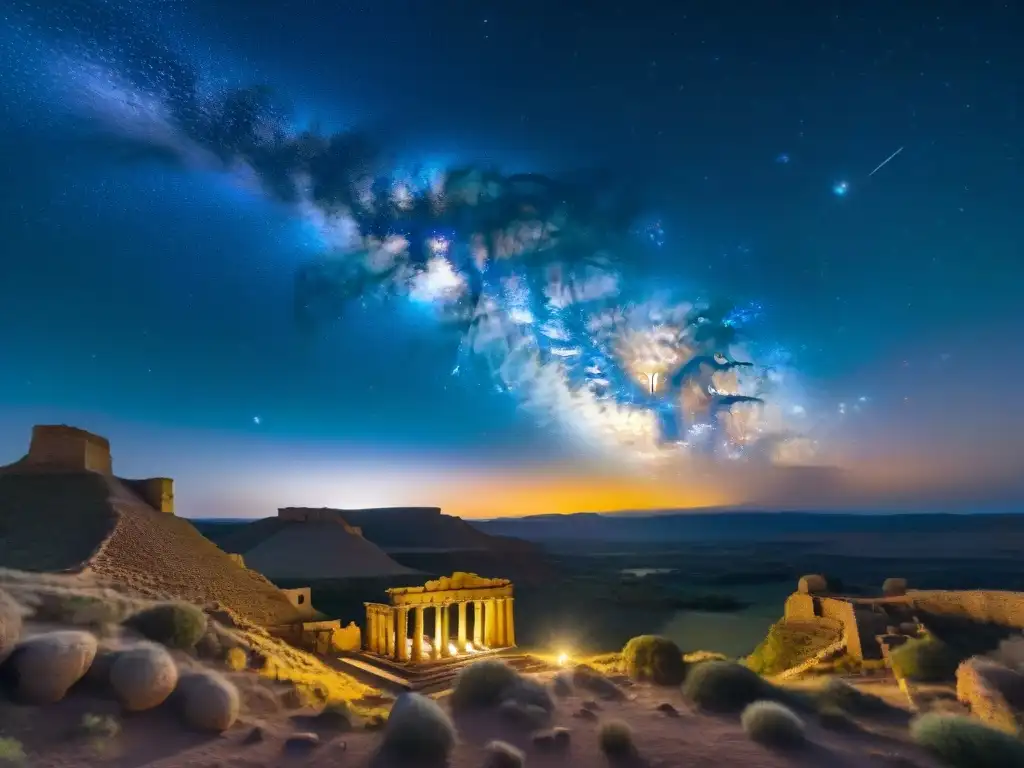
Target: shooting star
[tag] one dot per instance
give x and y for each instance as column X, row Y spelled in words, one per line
column 890, row 157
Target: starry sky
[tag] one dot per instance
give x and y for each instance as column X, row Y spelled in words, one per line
column 151, row 302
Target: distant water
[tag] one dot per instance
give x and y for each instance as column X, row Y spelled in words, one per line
column 641, row 572
column 734, row 634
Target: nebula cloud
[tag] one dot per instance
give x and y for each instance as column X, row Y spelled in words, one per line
column 535, row 275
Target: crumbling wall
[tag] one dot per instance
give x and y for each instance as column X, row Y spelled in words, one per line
column 70, row 449
column 843, row 612
column 993, row 692
column 301, row 598
column 799, row 607
column 986, row 606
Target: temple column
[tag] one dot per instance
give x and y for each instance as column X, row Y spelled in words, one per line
column 389, row 630
column 478, row 624
column 489, row 635
column 403, row 633
column 371, row 629
column 446, row 631
column 510, row 631
column 382, row 630
column 417, row 636
column 436, row 654
column 462, row 627
column 499, row 622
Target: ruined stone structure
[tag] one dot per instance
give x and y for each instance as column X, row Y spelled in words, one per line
column 870, row 623
column 493, row 625
column 59, row 448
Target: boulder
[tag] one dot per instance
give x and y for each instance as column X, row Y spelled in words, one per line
column 45, row 666
column 10, row 624
column 994, row 693
column 143, row 677
column 812, row 584
column 894, row 587
column 209, row 702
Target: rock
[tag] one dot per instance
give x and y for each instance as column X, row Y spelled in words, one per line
column 500, row 754
column 301, row 742
column 585, row 714
column 209, row 702
column 561, row 686
column 557, row 739
column 46, row 666
column 590, row 704
column 143, row 677
column 668, row 709
column 375, row 723
column 894, row 587
column 255, row 736
column 418, row 728
column 993, row 691
column 98, row 673
column 812, row 584
column 10, row 624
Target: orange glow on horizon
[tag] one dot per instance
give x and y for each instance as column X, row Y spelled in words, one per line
column 513, row 496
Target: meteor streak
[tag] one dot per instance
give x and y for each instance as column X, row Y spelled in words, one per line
column 890, row 157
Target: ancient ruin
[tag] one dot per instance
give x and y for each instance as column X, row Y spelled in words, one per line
column 491, row 625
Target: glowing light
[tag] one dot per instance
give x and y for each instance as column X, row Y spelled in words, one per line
column 563, row 659
column 453, row 650
column 840, row 188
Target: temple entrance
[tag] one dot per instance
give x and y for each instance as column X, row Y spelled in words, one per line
column 467, row 614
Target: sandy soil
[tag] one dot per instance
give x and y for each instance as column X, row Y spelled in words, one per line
column 686, row 739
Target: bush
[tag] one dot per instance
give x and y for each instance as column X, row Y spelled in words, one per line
column 654, row 659
column 963, row 742
column 723, row 686
column 11, row 752
column 589, row 679
column 483, row 684
column 841, row 695
column 236, row 659
column 926, row 660
column 772, row 724
column 176, row 625
column 501, row 754
column 418, row 728
column 616, row 739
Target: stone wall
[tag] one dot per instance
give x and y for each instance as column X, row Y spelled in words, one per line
column 69, row 448
column 799, row 607
column 157, row 492
column 993, row 693
column 301, row 598
column 989, row 606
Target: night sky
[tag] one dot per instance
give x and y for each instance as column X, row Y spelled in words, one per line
column 150, row 299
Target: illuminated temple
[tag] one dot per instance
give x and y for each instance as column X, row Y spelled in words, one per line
column 491, row 625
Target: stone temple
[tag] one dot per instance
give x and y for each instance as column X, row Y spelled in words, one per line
column 489, row 627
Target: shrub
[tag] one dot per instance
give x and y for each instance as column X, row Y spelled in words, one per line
column 841, row 695
column 787, row 645
column 11, row 752
column 530, row 693
column 772, row 724
column 525, row 715
column 926, row 660
column 963, row 742
column 483, row 684
column 418, row 728
column 616, row 739
column 176, row 625
column 99, row 727
column 836, row 719
column 236, row 659
column 562, row 685
column 208, row 701
column 591, row 680
column 654, row 659
column 143, row 677
column 500, row 754
column 723, row 686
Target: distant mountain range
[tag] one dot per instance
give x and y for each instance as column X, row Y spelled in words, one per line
column 676, row 525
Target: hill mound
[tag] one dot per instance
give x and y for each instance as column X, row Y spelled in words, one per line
column 89, row 522
column 318, row 550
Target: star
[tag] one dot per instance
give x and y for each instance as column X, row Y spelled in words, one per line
column 257, row 420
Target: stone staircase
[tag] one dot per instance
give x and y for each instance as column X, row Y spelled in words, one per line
column 428, row 678
column 826, row 653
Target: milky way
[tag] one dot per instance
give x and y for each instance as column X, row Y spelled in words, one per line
column 536, row 276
